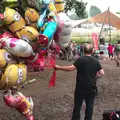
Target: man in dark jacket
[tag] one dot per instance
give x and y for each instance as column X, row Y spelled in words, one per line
column 89, row 70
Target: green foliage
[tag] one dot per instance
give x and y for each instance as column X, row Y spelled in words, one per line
column 78, row 7
column 88, row 39
column 81, row 39
column 117, row 12
column 115, row 38
column 74, row 17
column 94, row 11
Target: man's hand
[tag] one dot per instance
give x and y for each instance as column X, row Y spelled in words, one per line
column 56, row 67
column 100, row 73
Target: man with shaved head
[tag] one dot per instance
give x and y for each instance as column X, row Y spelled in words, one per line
column 89, row 70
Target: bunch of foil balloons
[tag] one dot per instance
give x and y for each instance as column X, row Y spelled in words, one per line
column 28, row 29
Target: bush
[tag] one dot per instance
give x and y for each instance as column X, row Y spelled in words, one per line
column 81, row 39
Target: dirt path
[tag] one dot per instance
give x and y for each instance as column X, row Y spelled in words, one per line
column 57, row 103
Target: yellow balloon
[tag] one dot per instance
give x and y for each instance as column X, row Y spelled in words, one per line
column 16, row 24
column 5, row 58
column 28, row 104
column 28, row 33
column 31, row 17
column 13, row 20
column 14, row 75
column 59, row 5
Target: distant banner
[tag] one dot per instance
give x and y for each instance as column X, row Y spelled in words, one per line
column 95, row 40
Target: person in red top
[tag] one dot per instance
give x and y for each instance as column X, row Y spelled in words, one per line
column 110, row 50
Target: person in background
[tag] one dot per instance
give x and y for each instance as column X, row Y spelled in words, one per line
column 106, row 50
column 117, row 52
column 95, row 54
column 89, row 70
column 77, row 51
column 73, row 46
column 110, row 51
column 81, row 49
column 102, row 55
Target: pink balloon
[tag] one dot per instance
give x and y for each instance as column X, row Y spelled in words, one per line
column 42, row 53
column 7, row 35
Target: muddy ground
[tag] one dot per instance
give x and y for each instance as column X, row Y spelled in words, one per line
column 57, row 103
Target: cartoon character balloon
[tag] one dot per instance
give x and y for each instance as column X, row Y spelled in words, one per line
column 31, row 17
column 5, row 58
column 48, row 28
column 21, row 103
column 14, row 75
column 32, row 37
column 59, row 5
column 17, row 47
column 17, row 25
column 64, row 30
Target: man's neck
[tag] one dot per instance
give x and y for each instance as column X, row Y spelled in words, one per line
column 87, row 54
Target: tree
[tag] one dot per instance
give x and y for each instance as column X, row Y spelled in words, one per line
column 94, row 11
column 117, row 12
column 79, row 7
column 74, row 16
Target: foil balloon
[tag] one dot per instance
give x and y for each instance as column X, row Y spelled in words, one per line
column 35, row 58
column 47, row 21
column 37, row 61
column 28, row 33
column 41, row 19
column 13, row 20
column 31, row 17
column 1, row 20
column 5, row 58
column 17, row 26
column 17, row 47
column 7, row 35
column 13, row 75
column 48, row 8
column 47, row 35
column 46, row 1
column 21, row 103
column 59, row 5
column 64, row 30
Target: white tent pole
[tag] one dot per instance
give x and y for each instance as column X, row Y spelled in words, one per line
column 109, row 24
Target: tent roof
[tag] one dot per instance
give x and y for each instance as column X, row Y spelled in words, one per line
column 78, row 22
column 106, row 17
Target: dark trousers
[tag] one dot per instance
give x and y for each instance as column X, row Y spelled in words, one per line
column 78, row 100
column 110, row 54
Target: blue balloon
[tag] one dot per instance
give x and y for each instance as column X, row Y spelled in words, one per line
column 50, row 29
column 41, row 19
column 46, row 1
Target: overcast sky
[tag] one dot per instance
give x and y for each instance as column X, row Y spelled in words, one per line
column 104, row 4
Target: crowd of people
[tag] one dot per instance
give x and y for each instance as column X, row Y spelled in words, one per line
column 105, row 51
column 111, row 51
column 72, row 51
